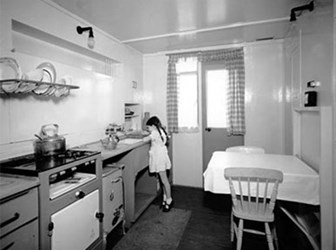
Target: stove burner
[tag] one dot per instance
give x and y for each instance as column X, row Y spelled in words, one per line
column 75, row 154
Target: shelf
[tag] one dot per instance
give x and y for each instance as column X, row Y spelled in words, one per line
column 131, row 104
column 130, row 116
column 19, row 86
column 307, row 109
column 142, row 202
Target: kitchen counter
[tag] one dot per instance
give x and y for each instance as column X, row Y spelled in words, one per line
column 123, row 146
column 13, row 184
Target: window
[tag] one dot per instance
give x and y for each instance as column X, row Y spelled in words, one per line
column 186, row 70
column 216, row 98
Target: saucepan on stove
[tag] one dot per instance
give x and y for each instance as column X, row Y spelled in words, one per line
column 49, row 143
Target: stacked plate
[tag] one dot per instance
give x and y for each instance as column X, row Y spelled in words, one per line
column 63, row 90
column 9, row 69
column 48, row 75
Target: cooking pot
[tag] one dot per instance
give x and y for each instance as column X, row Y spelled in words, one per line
column 49, row 142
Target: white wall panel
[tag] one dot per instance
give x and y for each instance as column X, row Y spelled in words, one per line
column 264, row 101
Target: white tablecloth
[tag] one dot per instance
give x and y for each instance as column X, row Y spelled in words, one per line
column 300, row 183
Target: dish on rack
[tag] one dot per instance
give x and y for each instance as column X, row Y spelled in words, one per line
column 25, row 87
column 41, row 89
column 9, row 69
column 49, row 72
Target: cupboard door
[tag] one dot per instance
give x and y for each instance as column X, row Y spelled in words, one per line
column 25, row 237
column 76, row 226
column 113, row 200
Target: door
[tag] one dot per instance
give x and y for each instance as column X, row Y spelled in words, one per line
column 113, row 201
column 76, row 226
column 214, row 89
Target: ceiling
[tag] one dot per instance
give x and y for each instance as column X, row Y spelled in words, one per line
column 152, row 26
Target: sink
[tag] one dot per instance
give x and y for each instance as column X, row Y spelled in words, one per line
column 130, row 141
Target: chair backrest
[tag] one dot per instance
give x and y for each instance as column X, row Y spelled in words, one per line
column 253, row 188
column 246, row 149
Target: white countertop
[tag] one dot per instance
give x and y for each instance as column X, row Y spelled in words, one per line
column 122, row 147
column 12, row 184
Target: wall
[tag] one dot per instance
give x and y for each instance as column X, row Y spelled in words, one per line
column 264, row 81
column 313, row 35
column 83, row 115
column 264, row 96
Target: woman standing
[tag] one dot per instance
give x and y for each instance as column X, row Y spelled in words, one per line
column 159, row 161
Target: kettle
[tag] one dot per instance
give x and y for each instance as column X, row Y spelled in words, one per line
column 112, row 139
column 49, row 142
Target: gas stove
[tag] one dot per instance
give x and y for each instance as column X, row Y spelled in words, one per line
column 32, row 166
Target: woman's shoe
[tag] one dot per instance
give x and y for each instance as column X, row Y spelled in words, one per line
column 167, row 207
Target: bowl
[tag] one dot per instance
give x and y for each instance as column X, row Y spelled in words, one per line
column 108, row 144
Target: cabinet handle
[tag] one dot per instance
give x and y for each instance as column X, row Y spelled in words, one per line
column 80, row 194
column 14, row 218
column 8, row 246
column 208, row 129
column 116, row 180
column 100, row 216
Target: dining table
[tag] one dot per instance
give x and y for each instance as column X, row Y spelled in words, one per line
column 300, row 181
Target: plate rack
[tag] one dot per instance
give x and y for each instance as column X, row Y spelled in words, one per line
column 48, row 89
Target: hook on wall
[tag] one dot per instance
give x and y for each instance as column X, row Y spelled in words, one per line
column 309, row 7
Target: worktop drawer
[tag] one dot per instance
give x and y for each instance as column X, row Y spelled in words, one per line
column 25, row 237
column 18, row 210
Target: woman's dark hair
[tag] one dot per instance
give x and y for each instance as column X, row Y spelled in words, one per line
column 157, row 123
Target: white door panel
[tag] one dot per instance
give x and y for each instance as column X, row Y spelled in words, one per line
column 76, row 226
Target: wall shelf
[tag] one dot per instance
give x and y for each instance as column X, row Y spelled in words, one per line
column 307, row 109
column 19, row 86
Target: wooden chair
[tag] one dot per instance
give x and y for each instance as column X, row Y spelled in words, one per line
column 253, row 192
column 246, row 149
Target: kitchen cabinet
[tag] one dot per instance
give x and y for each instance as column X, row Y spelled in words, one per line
column 19, row 220
column 140, row 185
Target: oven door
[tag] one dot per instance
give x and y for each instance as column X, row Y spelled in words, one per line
column 76, row 226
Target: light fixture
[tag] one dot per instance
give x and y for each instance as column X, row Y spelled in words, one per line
column 91, row 41
column 309, row 7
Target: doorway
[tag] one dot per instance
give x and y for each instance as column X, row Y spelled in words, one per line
column 214, row 122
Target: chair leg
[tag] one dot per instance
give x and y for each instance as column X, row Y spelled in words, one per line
column 231, row 229
column 275, row 236
column 269, row 236
column 240, row 234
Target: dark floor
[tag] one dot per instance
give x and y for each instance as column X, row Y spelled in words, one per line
column 209, row 224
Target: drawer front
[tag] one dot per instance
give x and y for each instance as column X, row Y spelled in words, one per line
column 18, row 211
column 25, row 237
column 112, row 200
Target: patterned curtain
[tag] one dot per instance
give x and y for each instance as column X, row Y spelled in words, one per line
column 172, row 90
column 234, row 62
